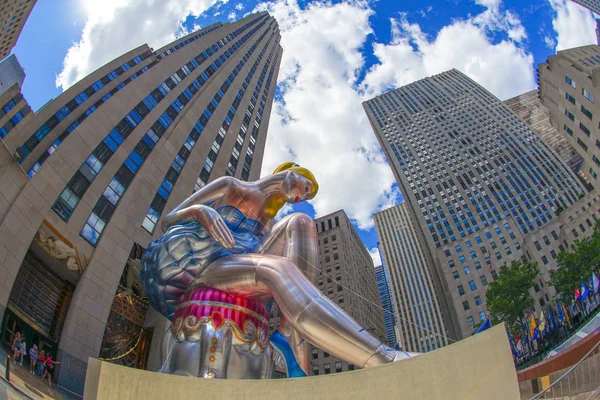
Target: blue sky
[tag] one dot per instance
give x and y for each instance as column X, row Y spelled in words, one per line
column 336, row 55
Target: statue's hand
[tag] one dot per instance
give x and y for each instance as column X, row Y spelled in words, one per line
column 214, row 224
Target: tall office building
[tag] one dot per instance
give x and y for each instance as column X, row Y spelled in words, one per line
column 420, row 321
column 13, row 14
column 569, row 89
column 11, row 73
column 347, row 277
column 476, row 179
column 386, row 303
column 87, row 178
column 529, row 108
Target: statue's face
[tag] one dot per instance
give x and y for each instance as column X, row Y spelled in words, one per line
column 296, row 187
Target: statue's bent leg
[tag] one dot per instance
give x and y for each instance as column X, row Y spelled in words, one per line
column 312, row 314
column 295, row 238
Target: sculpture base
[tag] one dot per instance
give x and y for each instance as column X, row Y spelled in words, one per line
column 480, row 367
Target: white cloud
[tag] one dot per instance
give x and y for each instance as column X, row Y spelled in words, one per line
column 503, row 68
column 239, row 6
column 231, row 16
column 374, row 252
column 114, row 27
column 574, row 25
column 549, row 42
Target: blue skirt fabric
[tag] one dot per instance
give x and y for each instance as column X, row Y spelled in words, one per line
column 173, row 261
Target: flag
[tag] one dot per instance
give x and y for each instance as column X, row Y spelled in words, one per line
column 553, row 323
column 595, row 282
column 532, row 327
column 584, row 292
column 561, row 314
column 487, row 324
column 576, row 293
column 519, row 343
column 566, row 312
column 542, row 322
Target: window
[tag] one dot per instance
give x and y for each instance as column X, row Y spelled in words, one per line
column 477, row 300
column 470, row 321
column 570, row 81
column 494, row 274
column 467, row 271
column 570, row 98
column 315, row 370
column 472, row 285
column 477, row 265
column 466, row 306
column 482, row 316
column 568, row 130
column 508, row 250
column 582, row 144
column 554, row 235
column 569, row 115
column 326, row 368
column 338, row 366
column 546, row 240
column 586, row 112
column 315, row 353
column 545, row 260
column 325, row 354
column 483, row 279
column 587, row 95
column 340, row 299
column 451, row 263
column 584, row 129
column 461, row 290
column 455, row 274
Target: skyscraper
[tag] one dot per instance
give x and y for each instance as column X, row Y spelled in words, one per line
column 104, row 161
column 569, row 89
column 476, row 179
column 386, row 303
column 592, row 5
column 529, row 108
column 11, row 73
column 418, row 315
column 13, row 15
column 347, row 277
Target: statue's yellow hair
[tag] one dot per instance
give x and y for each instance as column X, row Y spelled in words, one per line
column 275, row 204
column 291, row 166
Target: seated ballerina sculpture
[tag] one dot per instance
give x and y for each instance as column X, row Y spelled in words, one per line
column 219, row 263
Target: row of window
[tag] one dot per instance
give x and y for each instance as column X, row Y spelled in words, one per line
column 327, row 368
column 80, row 182
column 160, row 199
column 31, row 143
column 14, row 120
column 107, row 203
column 96, row 105
column 197, row 36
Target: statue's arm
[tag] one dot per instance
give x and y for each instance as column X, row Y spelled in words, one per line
column 196, row 207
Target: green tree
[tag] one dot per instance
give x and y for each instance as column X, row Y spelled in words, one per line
column 508, row 296
column 576, row 266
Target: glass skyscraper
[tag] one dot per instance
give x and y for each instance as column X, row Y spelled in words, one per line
column 386, row 304
column 475, row 178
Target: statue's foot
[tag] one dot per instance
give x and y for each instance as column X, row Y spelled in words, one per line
column 386, row 355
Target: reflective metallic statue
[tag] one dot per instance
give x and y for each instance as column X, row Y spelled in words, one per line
column 219, row 263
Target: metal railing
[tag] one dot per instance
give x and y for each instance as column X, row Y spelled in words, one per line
column 581, row 380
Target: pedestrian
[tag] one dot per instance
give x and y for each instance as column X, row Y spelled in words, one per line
column 33, row 357
column 23, row 349
column 16, row 346
column 41, row 362
column 48, row 369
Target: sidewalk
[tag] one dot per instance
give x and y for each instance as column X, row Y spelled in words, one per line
column 29, row 385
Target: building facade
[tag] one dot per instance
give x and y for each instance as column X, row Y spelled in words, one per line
column 386, row 303
column 89, row 176
column 347, row 277
column 476, row 180
column 13, row 15
column 569, row 89
column 11, row 73
column 592, row 5
column 529, row 108
column 420, row 321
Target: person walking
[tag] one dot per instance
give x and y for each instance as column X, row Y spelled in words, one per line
column 16, row 347
column 23, row 349
column 48, row 369
column 41, row 362
column 33, row 357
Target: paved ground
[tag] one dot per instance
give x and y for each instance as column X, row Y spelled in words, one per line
column 27, row 386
